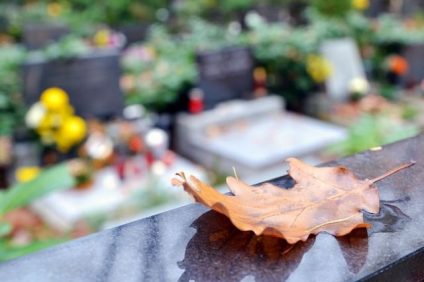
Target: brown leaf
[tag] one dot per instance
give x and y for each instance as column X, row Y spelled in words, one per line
column 326, row 199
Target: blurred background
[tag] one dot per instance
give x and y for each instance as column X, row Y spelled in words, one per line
column 103, row 101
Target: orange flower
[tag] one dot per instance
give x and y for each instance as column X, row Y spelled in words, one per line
column 397, row 64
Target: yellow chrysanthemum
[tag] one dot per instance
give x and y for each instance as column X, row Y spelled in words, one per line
column 360, row 4
column 27, row 173
column 318, row 68
column 50, row 121
column 54, row 99
column 101, row 38
column 72, row 131
column 63, row 144
column 73, row 128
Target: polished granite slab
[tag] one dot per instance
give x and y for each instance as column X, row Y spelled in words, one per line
column 194, row 244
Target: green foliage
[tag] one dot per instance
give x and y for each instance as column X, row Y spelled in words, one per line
column 170, row 67
column 283, row 50
column 49, row 180
column 391, row 30
column 11, row 110
column 67, row 47
column 85, row 16
column 80, row 15
column 17, row 15
column 353, row 24
column 213, row 9
column 409, row 112
column 5, row 229
column 159, row 78
column 332, row 8
column 372, row 131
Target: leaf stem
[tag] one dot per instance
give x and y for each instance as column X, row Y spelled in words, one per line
column 235, row 173
column 392, row 171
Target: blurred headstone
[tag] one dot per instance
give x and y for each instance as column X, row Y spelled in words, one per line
column 225, row 74
column 269, row 12
column 91, row 81
column 39, row 35
column 411, row 7
column 134, row 32
column 414, row 55
column 377, row 7
column 405, row 8
column 346, row 65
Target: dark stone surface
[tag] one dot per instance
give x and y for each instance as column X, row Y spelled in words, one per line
column 39, row 35
column 192, row 243
column 225, row 74
column 414, row 54
column 136, row 32
column 91, row 81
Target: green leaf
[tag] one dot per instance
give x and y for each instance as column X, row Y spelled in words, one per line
column 5, row 229
column 52, row 179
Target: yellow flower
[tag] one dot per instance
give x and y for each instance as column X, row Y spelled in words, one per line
column 26, row 173
column 73, row 128
column 318, row 68
column 72, row 131
column 54, row 9
column 63, row 143
column 360, row 4
column 54, row 99
column 101, row 38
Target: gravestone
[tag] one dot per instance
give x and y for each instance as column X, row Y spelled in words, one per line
column 225, row 74
column 136, row 32
column 377, row 7
column 193, row 243
column 405, row 8
column 414, row 55
column 346, row 65
column 39, row 35
column 91, row 81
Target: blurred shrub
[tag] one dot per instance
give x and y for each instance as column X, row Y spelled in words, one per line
column 332, row 8
column 52, row 179
column 157, row 71
column 371, row 131
column 82, row 16
column 11, row 111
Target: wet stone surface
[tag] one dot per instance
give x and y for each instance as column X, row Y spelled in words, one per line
column 193, row 243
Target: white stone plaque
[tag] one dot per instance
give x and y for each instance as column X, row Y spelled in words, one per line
column 346, row 65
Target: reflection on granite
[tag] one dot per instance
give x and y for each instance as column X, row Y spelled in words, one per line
column 219, row 251
column 194, row 244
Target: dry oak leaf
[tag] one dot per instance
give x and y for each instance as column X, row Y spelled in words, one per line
column 326, row 199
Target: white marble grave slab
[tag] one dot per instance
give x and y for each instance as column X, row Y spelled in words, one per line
column 346, row 65
column 63, row 209
column 272, row 138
